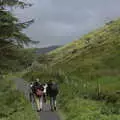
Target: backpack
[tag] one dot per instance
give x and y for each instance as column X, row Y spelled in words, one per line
column 39, row 92
column 54, row 87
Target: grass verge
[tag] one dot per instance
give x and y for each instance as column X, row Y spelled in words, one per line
column 13, row 105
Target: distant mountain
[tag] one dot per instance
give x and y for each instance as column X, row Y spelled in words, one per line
column 46, row 49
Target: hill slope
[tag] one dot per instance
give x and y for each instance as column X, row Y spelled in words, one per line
column 92, row 64
column 88, row 72
column 95, row 53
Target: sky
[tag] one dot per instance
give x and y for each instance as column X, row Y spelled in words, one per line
column 58, row 22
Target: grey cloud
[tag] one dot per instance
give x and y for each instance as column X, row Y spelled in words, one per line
column 61, row 21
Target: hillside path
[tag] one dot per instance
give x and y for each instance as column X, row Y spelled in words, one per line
column 22, row 86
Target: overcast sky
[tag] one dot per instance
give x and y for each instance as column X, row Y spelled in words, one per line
column 58, row 22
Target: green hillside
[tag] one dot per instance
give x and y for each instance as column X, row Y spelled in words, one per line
column 95, row 53
column 92, row 64
column 88, row 72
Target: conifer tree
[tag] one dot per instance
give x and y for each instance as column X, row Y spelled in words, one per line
column 11, row 35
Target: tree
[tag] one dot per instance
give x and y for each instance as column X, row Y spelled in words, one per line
column 11, row 35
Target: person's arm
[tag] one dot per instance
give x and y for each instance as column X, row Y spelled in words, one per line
column 30, row 96
column 42, row 88
column 30, row 93
column 47, row 90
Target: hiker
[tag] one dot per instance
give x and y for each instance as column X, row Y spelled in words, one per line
column 44, row 92
column 38, row 94
column 31, row 95
column 52, row 91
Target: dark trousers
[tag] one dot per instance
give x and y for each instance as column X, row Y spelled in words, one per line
column 53, row 102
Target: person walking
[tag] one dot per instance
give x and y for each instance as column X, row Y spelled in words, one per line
column 31, row 95
column 52, row 92
column 45, row 92
column 38, row 94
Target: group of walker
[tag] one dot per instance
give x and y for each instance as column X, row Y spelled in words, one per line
column 40, row 92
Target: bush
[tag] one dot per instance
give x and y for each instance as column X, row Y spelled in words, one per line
column 110, row 108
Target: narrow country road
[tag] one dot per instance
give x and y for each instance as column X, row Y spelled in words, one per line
column 22, row 86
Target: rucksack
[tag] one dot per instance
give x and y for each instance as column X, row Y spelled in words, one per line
column 54, row 87
column 39, row 92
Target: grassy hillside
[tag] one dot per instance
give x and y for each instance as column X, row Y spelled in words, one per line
column 92, row 64
column 98, row 50
column 95, row 56
column 88, row 70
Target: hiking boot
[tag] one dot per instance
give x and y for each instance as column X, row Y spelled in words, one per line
column 39, row 110
column 55, row 108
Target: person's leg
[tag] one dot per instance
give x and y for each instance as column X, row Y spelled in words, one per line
column 41, row 102
column 33, row 98
column 37, row 102
column 30, row 96
column 44, row 98
column 51, row 103
column 33, row 101
column 54, row 102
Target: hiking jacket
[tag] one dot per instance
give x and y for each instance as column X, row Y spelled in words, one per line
column 50, row 92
